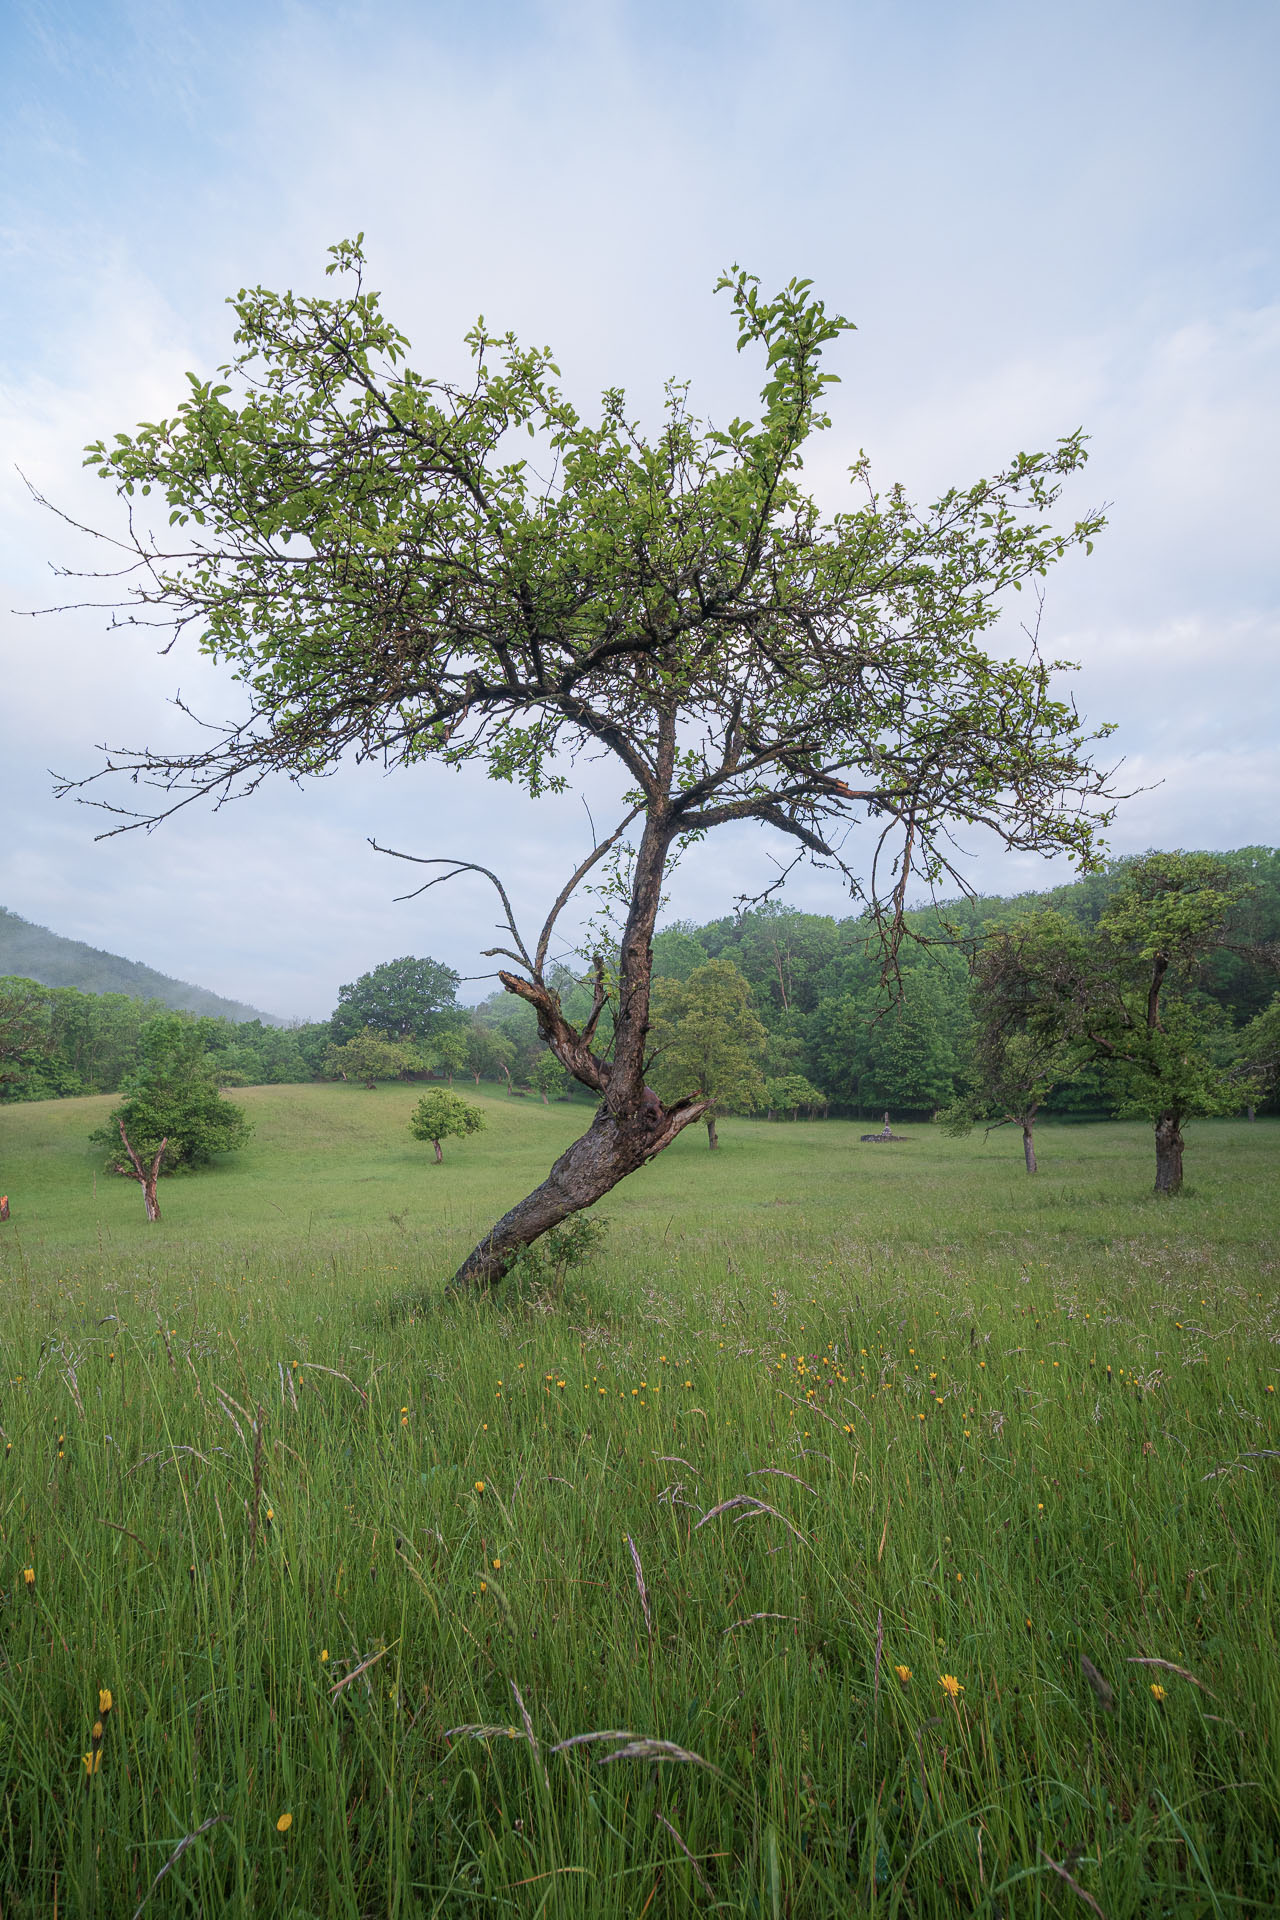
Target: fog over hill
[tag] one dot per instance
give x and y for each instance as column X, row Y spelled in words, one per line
column 34, row 953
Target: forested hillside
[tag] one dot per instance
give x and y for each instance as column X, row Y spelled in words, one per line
column 34, row 953
column 818, row 1017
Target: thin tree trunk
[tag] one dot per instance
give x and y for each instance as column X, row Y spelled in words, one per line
column 1029, row 1145
column 712, row 1139
column 439, row 1155
column 145, row 1176
column 1169, row 1153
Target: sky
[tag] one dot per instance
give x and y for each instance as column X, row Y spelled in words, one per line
column 1038, row 218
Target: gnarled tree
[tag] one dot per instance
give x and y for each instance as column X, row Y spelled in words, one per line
column 386, row 576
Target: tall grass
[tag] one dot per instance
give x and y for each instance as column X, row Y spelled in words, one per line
column 823, row 1428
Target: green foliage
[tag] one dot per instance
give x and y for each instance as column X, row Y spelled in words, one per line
column 369, row 1057
column 793, row 1094
column 549, row 1077
column 444, row 1116
column 706, row 1039
column 173, row 1095
column 489, row 1052
column 878, row 1048
column 565, row 1249
column 402, row 1000
column 677, row 951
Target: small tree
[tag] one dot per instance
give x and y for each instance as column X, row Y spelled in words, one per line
column 549, row 1077
column 791, row 1094
column 450, row 1051
column 1127, row 992
column 173, row 1117
column 368, row 1057
column 1014, row 1065
column 355, row 541
column 443, row 1116
column 489, row 1053
column 707, row 1042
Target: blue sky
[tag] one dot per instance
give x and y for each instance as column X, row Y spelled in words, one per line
column 1038, row 218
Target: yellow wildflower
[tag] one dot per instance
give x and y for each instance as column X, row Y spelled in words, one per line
column 105, row 1702
column 91, row 1761
column 284, row 1823
column 479, row 1486
column 903, row 1673
column 1157, row 1690
column 950, row 1685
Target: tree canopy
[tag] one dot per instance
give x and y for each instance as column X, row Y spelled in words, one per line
column 443, row 1116
column 402, row 1000
column 385, row 574
column 173, row 1096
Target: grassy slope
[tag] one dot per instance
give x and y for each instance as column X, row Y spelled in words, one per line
column 1038, row 1510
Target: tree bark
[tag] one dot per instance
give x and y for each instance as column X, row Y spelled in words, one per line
column 145, row 1176
column 712, row 1140
column 1169, row 1153
column 1029, row 1144
column 631, row 1124
column 439, row 1155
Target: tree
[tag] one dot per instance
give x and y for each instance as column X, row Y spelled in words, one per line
column 367, row 1056
column 401, row 999
column 549, row 1077
column 489, row 1053
column 441, row 1116
column 358, row 543
column 707, row 1043
column 1013, row 1070
column 25, row 1039
column 1128, row 992
column 880, row 1047
column 450, row 1049
column 173, row 1117
column 792, row 1094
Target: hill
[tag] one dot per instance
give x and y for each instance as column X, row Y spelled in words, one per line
column 35, row 953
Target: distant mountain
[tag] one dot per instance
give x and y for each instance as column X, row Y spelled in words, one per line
column 33, row 953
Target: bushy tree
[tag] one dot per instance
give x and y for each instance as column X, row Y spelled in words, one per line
column 792, row 1094
column 443, row 1116
column 1015, row 1064
column 706, row 1041
column 172, row 1117
column 357, row 543
column 880, row 1048
column 369, row 1057
column 402, row 1000
column 549, row 1077
column 1128, row 992
column 489, row 1053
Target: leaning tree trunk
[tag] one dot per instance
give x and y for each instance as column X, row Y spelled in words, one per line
column 631, row 1124
column 146, row 1176
column 713, row 1140
column 1169, row 1153
column 439, row 1155
column 1029, row 1144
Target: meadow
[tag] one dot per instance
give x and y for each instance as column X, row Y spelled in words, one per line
column 863, row 1531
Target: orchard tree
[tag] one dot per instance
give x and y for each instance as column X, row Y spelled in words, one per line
column 172, row 1117
column 489, row 1053
column 450, row 1051
column 1128, row 992
column 443, row 1116
column 401, row 999
column 706, row 1041
column 368, row 1057
column 549, row 1077
column 1014, row 1067
column 791, row 1094
column 366, row 550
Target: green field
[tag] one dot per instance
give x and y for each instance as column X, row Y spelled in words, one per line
column 347, row 1553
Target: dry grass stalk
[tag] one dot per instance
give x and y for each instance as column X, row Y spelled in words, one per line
column 187, row 1840
column 530, row 1736
column 690, row 1857
column 1057, row 1867
column 640, row 1586
column 748, row 1618
column 355, row 1672
column 1150, row 1660
column 1106, row 1699
column 650, row 1749
column 753, row 1506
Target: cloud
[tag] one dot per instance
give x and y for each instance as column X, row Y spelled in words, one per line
column 1038, row 222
